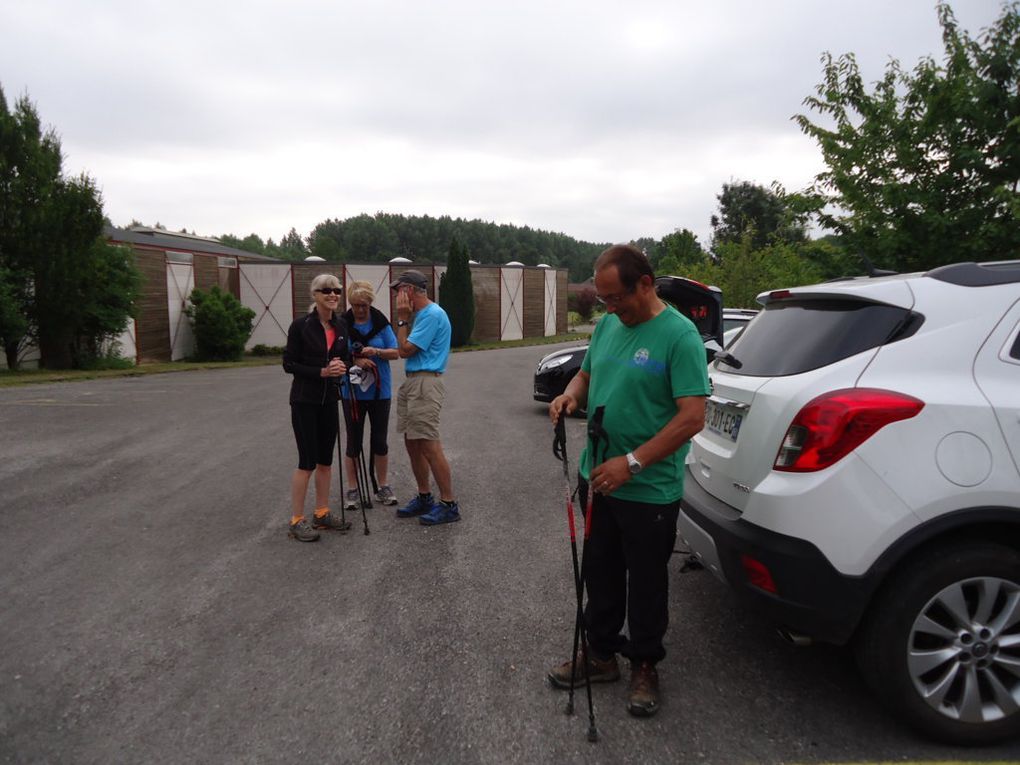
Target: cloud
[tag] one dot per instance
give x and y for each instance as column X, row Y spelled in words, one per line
column 604, row 120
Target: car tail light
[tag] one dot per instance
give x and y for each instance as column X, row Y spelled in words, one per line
column 758, row 574
column 832, row 425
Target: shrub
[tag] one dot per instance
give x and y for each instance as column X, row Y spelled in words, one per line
column 267, row 350
column 582, row 301
column 221, row 324
column 107, row 357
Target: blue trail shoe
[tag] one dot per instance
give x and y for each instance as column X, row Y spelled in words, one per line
column 441, row 513
column 416, row 507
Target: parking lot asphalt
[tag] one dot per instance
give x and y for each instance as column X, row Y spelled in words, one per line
column 154, row 609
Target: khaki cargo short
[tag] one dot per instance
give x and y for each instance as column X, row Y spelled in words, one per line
column 418, row 403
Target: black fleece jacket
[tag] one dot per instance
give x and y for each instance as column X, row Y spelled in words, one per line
column 306, row 354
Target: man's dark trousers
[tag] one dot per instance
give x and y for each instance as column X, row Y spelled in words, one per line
column 626, row 570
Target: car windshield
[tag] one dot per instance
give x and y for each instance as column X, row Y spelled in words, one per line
column 794, row 336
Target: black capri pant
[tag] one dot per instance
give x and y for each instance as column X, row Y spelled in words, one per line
column 378, row 413
column 315, row 432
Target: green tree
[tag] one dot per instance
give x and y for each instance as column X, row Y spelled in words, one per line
column 250, row 243
column 109, row 291
column 326, row 247
column 73, row 226
column 680, row 251
column 13, row 324
column 650, row 247
column 832, row 259
column 763, row 213
column 743, row 272
column 222, row 325
column 292, row 246
column 50, row 246
column 457, row 295
column 29, row 170
column 376, row 239
column 923, row 170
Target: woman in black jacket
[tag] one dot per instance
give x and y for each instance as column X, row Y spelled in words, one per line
column 317, row 356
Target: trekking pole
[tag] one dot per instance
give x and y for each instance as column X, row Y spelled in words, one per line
column 560, row 452
column 340, row 454
column 340, row 448
column 371, row 467
column 360, row 475
column 596, row 434
column 357, row 349
column 364, row 496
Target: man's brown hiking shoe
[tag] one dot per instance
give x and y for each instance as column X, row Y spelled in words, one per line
column 644, row 689
column 602, row 671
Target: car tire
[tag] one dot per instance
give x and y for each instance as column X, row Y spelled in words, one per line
column 941, row 643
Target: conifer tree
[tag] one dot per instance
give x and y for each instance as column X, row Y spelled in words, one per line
column 457, row 295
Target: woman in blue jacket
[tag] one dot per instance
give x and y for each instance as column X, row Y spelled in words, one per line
column 374, row 346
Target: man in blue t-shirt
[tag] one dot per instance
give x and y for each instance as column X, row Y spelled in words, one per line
column 426, row 347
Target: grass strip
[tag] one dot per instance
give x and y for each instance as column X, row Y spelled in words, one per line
column 40, row 376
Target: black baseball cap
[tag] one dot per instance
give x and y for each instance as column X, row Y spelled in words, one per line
column 412, row 277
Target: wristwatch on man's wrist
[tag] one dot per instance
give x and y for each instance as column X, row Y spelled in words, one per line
column 401, row 323
column 632, row 463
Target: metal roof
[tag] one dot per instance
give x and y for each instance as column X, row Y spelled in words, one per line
column 171, row 241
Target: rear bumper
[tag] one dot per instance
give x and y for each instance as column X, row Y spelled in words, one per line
column 811, row 598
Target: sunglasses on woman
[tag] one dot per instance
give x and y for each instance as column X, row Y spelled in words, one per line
column 331, row 290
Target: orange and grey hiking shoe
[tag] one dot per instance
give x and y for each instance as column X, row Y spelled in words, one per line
column 332, row 522
column 602, row 671
column 302, row 531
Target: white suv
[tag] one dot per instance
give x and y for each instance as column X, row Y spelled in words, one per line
column 858, row 480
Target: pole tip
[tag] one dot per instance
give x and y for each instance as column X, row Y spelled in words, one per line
column 593, row 734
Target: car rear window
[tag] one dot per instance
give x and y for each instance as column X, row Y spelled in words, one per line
column 794, row 336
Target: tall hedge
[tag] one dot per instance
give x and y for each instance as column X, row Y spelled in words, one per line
column 457, row 295
column 221, row 324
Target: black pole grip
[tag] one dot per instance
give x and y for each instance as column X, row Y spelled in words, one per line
column 560, row 440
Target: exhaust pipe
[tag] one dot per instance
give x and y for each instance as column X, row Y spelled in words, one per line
column 794, row 638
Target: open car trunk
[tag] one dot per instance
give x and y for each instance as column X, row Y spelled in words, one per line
column 699, row 303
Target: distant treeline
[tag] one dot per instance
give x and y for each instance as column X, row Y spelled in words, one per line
column 424, row 239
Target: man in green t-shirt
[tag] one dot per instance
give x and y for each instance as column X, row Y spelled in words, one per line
column 645, row 368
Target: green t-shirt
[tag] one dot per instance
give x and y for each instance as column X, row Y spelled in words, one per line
column 637, row 373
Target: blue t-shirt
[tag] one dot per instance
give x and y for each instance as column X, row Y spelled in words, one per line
column 383, row 339
column 431, row 334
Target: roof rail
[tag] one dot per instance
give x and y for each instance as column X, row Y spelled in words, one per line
column 978, row 274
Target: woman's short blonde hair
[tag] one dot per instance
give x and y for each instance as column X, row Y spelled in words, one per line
column 320, row 281
column 361, row 291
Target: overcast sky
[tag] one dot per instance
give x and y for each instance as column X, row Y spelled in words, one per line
column 603, row 120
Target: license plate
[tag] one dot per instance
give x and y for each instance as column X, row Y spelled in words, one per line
column 724, row 419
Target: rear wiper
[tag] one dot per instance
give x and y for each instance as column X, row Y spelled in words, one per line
column 728, row 358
